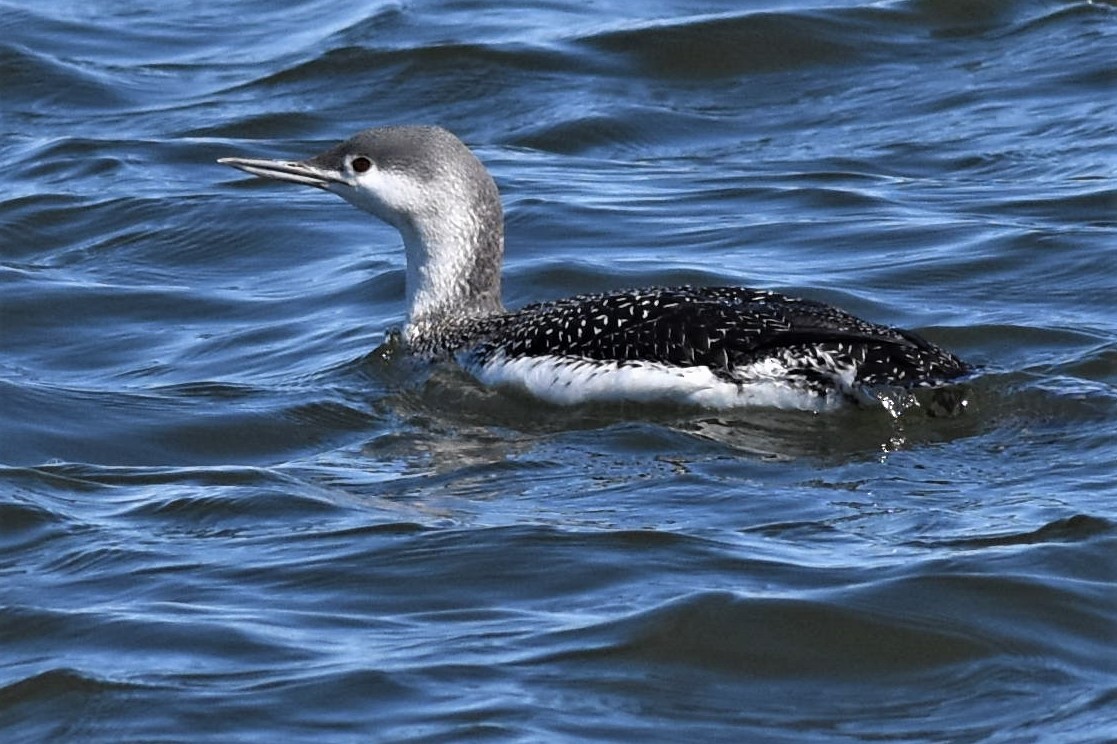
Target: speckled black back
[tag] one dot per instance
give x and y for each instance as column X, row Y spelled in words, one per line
column 723, row 328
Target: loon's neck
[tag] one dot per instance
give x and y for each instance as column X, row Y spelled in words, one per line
column 454, row 258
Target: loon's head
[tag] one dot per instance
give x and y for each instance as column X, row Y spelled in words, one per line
column 426, row 183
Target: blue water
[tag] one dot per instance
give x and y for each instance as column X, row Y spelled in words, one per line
column 224, row 516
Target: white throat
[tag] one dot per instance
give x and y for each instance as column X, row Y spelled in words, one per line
column 440, row 258
column 454, row 247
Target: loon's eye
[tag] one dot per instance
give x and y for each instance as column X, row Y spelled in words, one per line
column 361, row 164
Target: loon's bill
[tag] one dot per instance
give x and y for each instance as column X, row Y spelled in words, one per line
column 714, row 347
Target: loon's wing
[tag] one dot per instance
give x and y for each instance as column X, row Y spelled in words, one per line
column 725, row 329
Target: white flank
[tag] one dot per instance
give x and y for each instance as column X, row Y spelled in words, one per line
column 572, row 381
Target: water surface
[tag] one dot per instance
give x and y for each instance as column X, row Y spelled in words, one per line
column 223, row 517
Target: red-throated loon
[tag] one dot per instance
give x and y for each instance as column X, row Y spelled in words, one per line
column 714, row 347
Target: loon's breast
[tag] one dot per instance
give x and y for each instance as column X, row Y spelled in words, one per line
column 715, row 347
